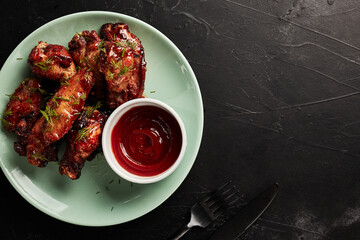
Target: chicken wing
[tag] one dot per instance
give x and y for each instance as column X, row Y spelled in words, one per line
column 122, row 62
column 82, row 142
column 85, row 49
column 51, row 62
column 23, row 108
column 59, row 115
column 22, row 111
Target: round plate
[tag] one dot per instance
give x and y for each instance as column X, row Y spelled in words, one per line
column 100, row 197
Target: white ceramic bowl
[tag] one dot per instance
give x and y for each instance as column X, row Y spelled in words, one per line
column 107, row 147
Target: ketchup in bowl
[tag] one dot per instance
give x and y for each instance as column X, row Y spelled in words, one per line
column 146, row 140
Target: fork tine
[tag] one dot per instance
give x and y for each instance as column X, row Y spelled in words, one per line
column 224, row 202
column 222, row 196
column 211, row 195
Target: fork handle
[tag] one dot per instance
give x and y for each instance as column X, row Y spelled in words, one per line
column 181, row 232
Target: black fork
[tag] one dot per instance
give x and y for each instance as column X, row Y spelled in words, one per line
column 209, row 208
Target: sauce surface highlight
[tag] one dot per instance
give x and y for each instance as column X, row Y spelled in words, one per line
column 146, row 140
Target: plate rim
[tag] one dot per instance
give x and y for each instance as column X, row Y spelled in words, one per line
column 198, row 139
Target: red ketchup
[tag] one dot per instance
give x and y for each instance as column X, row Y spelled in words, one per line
column 146, row 140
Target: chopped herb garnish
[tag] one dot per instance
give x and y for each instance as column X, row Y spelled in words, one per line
column 152, row 91
column 83, row 96
column 83, row 134
column 132, row 45
column 5, row 123
column 77, row 101
column 112, row 208
column 78, row 68
column 115, row 64
column 40, row 157
column 127, row 43
column 29, row 100
column 125, row 70
column 111, row 181
column 42, row 91
column 60, row 98
column 110, row 74
column 19, row 58
column 85, row 59
column 120, row 44
column 90, row 109
column 65, row 82
column 48, row 114
column 97, row 192
column 101, row 45
column 45, row 65
column 123, row 53
column 12, row 97
column 8, row 113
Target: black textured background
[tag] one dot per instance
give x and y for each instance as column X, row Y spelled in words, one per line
column 280, row 83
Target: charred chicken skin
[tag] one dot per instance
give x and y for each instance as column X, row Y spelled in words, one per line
column 82, row 142
column 22, row 111
column 122, row 62
column 58, row 117
column 23, row 108
column 51, row 61
column 85, row 49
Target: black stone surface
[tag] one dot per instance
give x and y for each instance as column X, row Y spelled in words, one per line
column 280, row 82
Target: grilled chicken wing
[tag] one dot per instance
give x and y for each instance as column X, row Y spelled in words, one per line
column 23, row 108
column 51, row 62
column 59, row 115
column 122, row 63
column 85, row 49
column 22, row 111
column 82, row 141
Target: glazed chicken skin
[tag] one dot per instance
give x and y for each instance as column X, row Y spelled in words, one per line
column 22, row 111
column 82, row 142
column 85, row 49
column 122, row 62
column 58, row 117
column 51, row 61
column 23, row 108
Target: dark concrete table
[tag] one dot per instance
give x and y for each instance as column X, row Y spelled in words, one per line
column 280, row 82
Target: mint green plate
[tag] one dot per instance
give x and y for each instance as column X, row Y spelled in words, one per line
column 100, row 197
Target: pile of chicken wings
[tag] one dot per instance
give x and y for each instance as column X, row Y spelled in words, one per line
column 72, row 93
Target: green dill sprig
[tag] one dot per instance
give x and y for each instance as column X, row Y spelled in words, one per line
column 12, row 97
column 116, row 65
column 8, row 113
column 125, row 70
column 101, row 46
column 45, row 65
column 40, row 157
column 77, row 100
column 60, row 98
column 5, row 123
column 83, row 134
column 123, row 53
column 110, row 74
column 90, row 109
column 85, row 59
column 126, row 43
column 65, row 82
column 48, row 114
